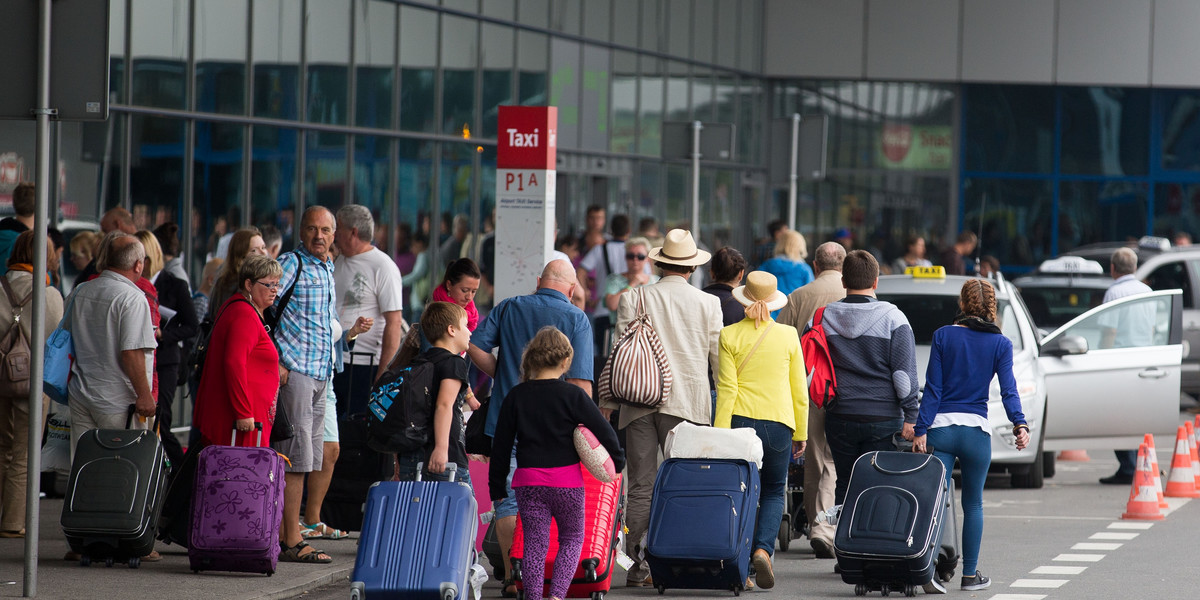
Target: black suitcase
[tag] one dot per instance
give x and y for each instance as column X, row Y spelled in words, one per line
column 358, row 468
column 889, row 534
column 114, row 495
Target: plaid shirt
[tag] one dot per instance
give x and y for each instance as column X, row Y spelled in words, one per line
column 305, row 332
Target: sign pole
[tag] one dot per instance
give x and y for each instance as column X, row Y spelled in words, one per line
column 37, row 326
column 793, row 175
column 695, row 226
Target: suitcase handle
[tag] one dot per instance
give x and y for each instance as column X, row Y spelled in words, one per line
column 257, row 425
column 882, row 469
column 452, row 467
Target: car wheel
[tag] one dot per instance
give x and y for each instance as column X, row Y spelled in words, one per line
column 1034, row 477
column 1048, row 464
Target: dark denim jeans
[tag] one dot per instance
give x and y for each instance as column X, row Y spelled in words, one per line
column 849, row 440
column 777, row 452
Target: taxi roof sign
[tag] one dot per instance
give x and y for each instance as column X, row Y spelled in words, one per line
column 934, row 272
column 1071, row 265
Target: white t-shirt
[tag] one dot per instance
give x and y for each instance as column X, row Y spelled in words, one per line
column 108, row 315
column 368, row 285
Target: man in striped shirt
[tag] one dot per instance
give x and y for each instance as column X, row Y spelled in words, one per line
column 304, row 336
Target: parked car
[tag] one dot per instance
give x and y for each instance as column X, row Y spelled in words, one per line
column 1061, row 289
column 1074, row 393
column 1163, row 267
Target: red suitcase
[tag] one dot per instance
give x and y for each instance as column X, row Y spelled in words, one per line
column 601, row 526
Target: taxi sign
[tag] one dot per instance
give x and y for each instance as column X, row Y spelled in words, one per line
column 1073, row 265
column 934, row 272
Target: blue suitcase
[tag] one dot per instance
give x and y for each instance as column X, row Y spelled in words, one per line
column 721, row 494
column 417, row 541
column 889, row 535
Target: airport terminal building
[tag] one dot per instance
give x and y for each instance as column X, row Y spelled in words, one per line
column 1043, row 124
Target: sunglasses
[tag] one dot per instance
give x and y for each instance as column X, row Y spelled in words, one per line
column 634, row 256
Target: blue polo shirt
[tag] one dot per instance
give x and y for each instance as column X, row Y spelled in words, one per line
column 514, row 322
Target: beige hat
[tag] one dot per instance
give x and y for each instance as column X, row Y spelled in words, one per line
column 679, row 249
column 761, row 285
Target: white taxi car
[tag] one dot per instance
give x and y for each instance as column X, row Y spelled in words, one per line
column 1079, row 389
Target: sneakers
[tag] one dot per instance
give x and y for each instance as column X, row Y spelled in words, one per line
column 821, row 548
column 976, row 582
column 764, row 576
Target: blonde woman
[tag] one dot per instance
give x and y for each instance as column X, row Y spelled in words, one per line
column 761, row 385
column 788, row 265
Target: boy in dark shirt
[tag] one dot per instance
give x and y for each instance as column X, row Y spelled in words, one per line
column 445, row 326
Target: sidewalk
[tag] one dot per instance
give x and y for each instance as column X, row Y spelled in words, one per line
column 58, row 578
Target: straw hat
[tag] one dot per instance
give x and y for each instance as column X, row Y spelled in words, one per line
column 761, row 285
column 679, row 249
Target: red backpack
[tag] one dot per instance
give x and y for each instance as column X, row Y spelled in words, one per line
column 818, row 364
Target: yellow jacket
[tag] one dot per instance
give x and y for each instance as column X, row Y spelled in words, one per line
column 772, row 386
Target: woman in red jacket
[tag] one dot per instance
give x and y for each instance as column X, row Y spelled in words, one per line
column 240, row 381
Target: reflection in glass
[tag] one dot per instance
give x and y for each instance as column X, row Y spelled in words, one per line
column 325, row 169
column 220, row 57
column 651, row 97
column 156, row 175
column 159, row 47
column 273, row 180
column 1017, row 221
column 459, row 54
column 1180, row 128
column 417, row 59
column 1177, row 209
column 532, row 62
column 1104, row 130
column 1010, row 128
column 497, row 79
column 1091, row 212
column 276, row 50
column 624, row 103
column 374, row 56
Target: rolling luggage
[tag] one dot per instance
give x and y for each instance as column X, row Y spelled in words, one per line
column 358, row 468
column 889, row 532
column 237, row 504
column 721, row 494
column 114, row 495
column 601, row 528
column 417, row 541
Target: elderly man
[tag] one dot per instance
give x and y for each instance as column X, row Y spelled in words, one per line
column 1126, row 328
column 304, row 335
column 509, row 327
column 820, row 475
column 109, row 321
column 688, row 321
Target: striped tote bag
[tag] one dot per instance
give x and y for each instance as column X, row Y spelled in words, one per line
column 637, row 371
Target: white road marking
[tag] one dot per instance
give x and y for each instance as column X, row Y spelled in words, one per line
column 1018, row 597
column 1079, row 557
column 1039, row 583
column 1046, row 517
column 1057, row 570
column 1089, row 546
column 1130, row 525
column 1113, row 535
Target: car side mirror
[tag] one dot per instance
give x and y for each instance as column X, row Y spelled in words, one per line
column 1066, row 345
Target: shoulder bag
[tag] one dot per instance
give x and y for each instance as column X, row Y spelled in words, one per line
column 637, row 371
column 60, row 351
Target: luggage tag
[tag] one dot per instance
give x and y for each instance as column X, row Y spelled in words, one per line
column 487, row 517
column 477, row 579
column 623, row 560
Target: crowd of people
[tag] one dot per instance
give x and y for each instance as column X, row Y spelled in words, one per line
column 298, row 338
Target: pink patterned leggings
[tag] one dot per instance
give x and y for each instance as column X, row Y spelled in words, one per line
column 537, row 504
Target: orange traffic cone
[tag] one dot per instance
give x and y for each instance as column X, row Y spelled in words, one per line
column 1191, row 431
column 1074, row 455
column 1143, row 499
column 1182, row 481
column 1152, row 456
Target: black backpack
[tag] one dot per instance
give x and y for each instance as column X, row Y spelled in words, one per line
column 400, row 409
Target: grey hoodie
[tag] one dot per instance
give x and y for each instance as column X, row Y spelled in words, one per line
column 874, row 357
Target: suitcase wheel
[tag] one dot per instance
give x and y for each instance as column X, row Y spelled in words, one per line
column 737, row 591
column 85, row 561
column 910, row 590
column 357, row 591
column 885, row 590
column 662, row 589
column 108, row 562
column 597, row 595
column 135, row 562
column 785, row 532
column 860, row 589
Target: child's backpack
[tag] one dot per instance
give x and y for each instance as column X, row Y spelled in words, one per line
column 400, row 408
column 818, row 364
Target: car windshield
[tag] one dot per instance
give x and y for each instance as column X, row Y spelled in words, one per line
column 1053, row 307
column 927, row 313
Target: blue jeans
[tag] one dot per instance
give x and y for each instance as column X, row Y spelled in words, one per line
column 849, row 440
column 408, row 469
column 777, row 452
column 972, row 447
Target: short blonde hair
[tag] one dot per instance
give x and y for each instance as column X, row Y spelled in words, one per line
column 792, row 245
column 84, row 242
column 154, row 255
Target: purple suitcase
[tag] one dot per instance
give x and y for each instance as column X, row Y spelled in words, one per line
column 237, row 505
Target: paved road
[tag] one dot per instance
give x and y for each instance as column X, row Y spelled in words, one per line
column 1065, row 541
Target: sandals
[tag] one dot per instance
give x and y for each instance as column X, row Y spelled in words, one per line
column 320, row 530
column 295, row 554
column 508, row 583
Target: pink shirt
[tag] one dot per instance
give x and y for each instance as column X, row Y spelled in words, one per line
column 564, row 477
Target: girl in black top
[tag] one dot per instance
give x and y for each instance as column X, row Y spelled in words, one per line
column 540, row 415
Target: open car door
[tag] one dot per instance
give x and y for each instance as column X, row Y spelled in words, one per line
column 1112, row 373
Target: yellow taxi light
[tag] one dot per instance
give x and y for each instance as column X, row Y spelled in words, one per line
column 934, row 272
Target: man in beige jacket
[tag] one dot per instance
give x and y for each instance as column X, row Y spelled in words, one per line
column 688, row 321
column 819, row 474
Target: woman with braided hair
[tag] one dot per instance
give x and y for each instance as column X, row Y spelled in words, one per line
column 954, row 409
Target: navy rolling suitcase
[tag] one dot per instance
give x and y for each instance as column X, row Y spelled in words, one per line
column 417, row 541
column 719, row 493
column 889, row 533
